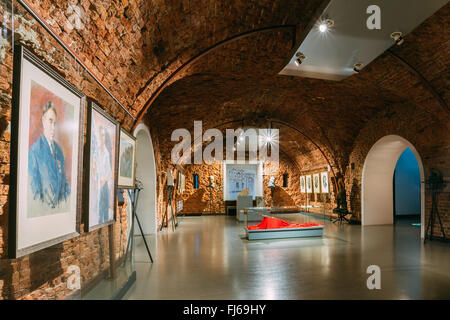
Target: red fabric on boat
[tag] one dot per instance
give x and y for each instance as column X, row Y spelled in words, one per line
column 274, row 223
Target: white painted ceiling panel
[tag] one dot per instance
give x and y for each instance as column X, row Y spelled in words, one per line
column 332, row 55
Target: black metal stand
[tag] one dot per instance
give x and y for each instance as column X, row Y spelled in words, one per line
column 341, row 215
column 166, row 213
column 434, row 211
column 134, row 201
column 210, row 201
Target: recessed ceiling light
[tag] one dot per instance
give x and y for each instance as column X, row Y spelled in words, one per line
column 325, row 25
column 300, row 57
column 397, row 36
column 357, row 67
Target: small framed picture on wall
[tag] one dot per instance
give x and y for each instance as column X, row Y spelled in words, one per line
column 127, row 160
column 302, row 184
column 316, row 182
column 324, row 182
column 309, row 184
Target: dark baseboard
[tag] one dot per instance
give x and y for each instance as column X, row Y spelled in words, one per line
column 93, row 282
column 202, row 214
column 318, row 215
column 439, row 239
column 131, row 280
column 407, row 216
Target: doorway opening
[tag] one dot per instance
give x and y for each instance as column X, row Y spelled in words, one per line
column 379, row 172
column 407, row 189
column 146, row 173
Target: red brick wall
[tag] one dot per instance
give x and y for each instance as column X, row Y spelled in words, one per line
column 197, row 200
column 43, row 275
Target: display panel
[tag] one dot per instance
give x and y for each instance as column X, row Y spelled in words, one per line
column 240, row 177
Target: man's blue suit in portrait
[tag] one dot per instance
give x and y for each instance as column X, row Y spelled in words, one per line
column 46, row 168
column 46, row 165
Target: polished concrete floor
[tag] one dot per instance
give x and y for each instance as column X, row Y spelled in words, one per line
column 209, row 258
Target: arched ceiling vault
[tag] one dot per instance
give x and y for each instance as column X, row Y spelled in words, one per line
column 241, row 81
column 134, row 46
column 293, row 143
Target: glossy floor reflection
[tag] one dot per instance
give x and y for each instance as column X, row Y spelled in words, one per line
column 209, row 258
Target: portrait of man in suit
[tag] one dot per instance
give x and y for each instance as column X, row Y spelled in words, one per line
column 46, row 164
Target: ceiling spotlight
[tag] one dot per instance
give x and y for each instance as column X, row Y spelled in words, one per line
column 325, row 25
column 357, row 67
column 300, row 57
column 398, row 37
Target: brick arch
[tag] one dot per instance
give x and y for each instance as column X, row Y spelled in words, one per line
column 184, row 66
column 327, row 155
column 423, row 130
column 377, row 174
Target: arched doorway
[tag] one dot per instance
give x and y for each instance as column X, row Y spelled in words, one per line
column 146, row 173
column 377, row 199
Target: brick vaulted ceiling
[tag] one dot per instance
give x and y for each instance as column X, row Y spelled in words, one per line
column 240, row 81
column 133, row 46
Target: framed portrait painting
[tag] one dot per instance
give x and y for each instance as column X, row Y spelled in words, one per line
column 316, row 182
column 46, row 156
column 309, row 188
column 324, row 181
column 127, row 160
column 302, row 184
column 102, row 154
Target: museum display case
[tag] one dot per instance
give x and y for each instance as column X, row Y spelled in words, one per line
column 279, row 223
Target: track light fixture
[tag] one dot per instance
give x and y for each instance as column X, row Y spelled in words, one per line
column 300, row 57
column 397, row 36
column 357, row 67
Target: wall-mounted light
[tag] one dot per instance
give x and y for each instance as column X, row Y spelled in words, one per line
column 357, row 67
column 300, row 57
column 397, row 36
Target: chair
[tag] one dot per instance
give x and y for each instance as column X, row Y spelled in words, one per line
column 341, row 212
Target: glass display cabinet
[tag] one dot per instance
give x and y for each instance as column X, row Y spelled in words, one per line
column 279, row 223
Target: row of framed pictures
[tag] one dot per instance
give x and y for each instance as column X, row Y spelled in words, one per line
column 47, row 163
column 317, row 182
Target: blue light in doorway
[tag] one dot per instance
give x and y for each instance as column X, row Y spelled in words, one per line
column 416, row 224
